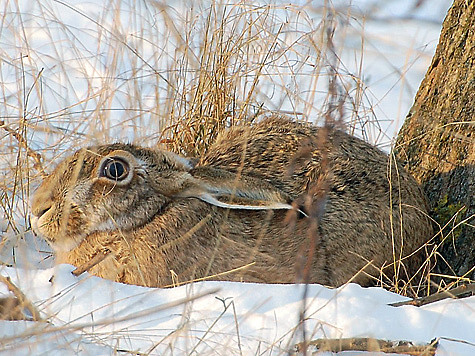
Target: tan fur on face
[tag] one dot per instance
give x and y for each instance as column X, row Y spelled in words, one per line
column 244, row 204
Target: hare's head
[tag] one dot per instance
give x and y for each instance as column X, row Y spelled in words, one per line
column 122, row 187
column 104, row 187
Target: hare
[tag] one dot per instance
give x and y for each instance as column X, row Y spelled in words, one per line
column 275, row 202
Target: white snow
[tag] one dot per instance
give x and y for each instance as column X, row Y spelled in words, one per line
column 96, row 316
column 91, row 316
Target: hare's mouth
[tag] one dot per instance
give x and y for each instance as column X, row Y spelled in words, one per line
column 43, row 228
column 39, row 227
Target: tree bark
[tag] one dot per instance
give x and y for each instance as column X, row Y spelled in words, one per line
column 437, row 140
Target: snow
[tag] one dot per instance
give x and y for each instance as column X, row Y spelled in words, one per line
column 91, row 316
column 96, row 316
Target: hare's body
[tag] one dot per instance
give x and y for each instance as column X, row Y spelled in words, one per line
column 230, row 216
column 363, row 201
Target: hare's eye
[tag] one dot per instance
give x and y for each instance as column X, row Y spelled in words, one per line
column 115, row 169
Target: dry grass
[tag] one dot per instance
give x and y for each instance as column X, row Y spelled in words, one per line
column 170, row 76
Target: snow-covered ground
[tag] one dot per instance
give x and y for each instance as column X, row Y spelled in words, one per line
column 89, row 316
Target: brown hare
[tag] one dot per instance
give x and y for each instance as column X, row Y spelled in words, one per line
column 265, row 203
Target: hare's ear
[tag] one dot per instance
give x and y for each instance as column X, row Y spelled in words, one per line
column 253, row 201
column 226, row 191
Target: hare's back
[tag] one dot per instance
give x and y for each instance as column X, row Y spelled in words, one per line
column 292, row 156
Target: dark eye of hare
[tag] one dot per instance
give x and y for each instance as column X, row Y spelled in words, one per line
column 115, row 169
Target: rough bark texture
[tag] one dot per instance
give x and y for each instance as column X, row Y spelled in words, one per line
column 437, row 141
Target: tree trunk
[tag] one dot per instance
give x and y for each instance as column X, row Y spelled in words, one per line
column 437, row 140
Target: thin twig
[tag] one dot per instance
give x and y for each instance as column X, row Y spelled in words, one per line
column 98, row 258
column 237, row 328
column 201, row 339
column 212, row 277
column 454, row 294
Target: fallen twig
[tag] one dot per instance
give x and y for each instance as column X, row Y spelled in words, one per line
column 98, row 258
column 370, row 344
column 453, row 293
column 21, row 300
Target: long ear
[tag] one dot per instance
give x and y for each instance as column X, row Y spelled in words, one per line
column 254, row 200
column 227, row 190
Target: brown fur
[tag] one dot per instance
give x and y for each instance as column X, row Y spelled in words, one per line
column 167, row 224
